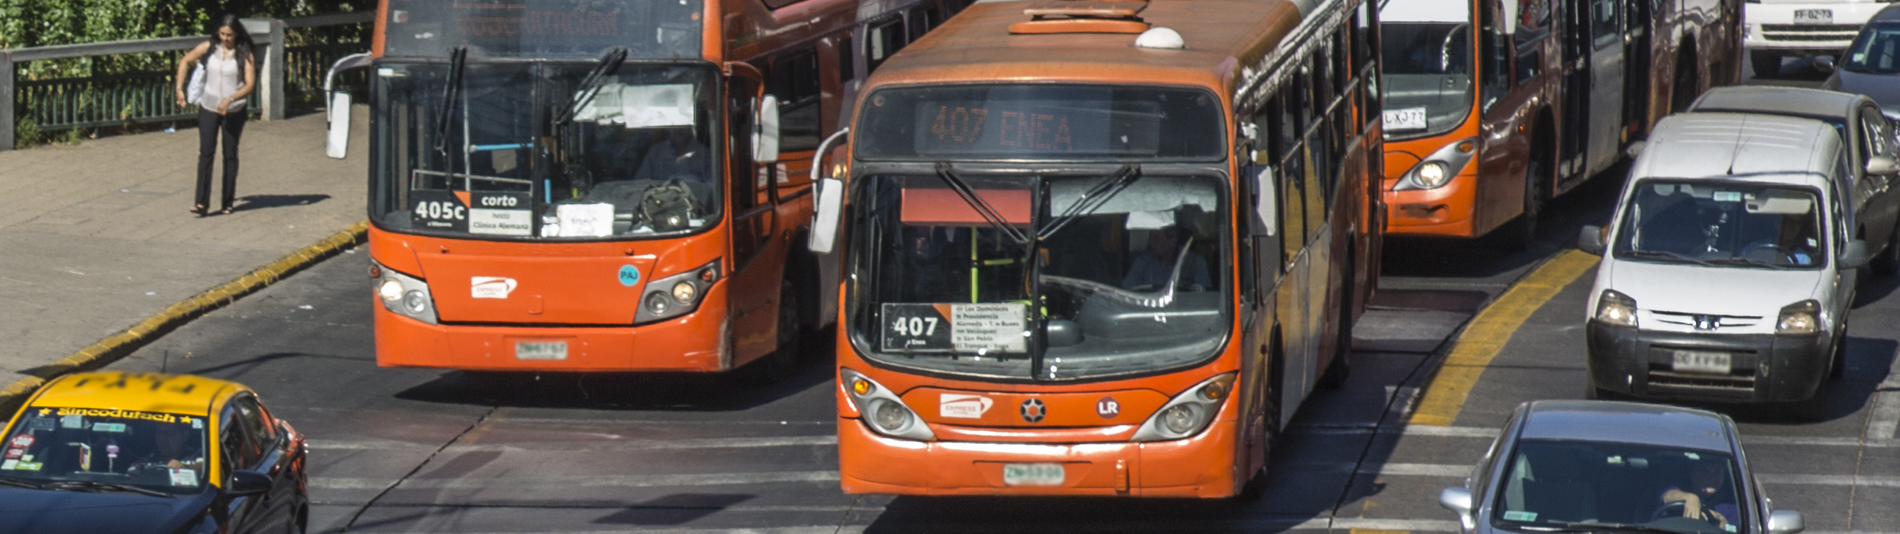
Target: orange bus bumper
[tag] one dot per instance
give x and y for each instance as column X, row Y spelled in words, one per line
column 689, row 343
column 1445, row 212
column 1200, row 466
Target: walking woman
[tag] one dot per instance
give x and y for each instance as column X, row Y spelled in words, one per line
column 230, row 73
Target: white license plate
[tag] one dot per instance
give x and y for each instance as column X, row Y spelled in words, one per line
column 1032, row 474
column 1701, row 361
column 1813, row 16
column 1405, row 119
column 540, row 350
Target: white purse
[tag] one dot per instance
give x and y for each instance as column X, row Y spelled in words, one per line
column 195, row 89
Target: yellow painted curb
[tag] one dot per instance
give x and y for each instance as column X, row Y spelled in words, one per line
column 126, row 341
column 1487, row 333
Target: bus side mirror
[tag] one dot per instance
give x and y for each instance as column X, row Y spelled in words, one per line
column 829, row 201
column 1882, row 165
column 337, row 145
column 765, row 131
column 1265, row 211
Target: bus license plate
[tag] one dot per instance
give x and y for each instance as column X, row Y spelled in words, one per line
column 1032, row 474
column 540, row 350
column 1405, row 119
column 1813, row 16
column 1701, row 361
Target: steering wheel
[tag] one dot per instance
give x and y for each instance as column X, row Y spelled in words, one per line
column 1779, row 254
column 1669, row 509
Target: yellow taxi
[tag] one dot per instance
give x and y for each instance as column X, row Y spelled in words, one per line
column 136, row 452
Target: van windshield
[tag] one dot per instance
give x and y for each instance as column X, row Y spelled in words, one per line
column 1741, row 225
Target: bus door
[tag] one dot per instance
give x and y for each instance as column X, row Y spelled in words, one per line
column 1636, row 45
column 1606, row 83
column 1576, row 86
column 1264, row 260
column 754, row 286
column 1303, row 219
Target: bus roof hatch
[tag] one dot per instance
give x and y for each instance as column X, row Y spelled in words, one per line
column 1083, row 16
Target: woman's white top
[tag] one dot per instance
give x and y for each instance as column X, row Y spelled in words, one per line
column 223, row 77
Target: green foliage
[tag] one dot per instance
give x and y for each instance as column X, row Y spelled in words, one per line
column 26, row 132
column 30, row 23
column 75, row 135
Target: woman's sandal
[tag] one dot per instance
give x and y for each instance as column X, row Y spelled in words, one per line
column 225, row 211
column 198, row 209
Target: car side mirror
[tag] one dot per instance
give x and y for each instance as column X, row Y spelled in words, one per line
column 1590, row 239
column 765, row 131
column 1636, row 149
column 1882, row 165
column 246, row 483
column 337, row 145
column 1785, row 522
column 1824, row 63
column 1854, row 255
column 1456, row 499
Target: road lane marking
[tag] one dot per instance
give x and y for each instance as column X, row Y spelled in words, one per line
column 595, row 446
column 628, row 481
column 1884, row 418
column 1489, row 331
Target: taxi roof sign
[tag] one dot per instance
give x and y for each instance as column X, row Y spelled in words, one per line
column 150, row 392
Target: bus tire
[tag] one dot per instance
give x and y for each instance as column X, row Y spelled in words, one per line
column 783, row 360
column 1341, row 366
column 1766, row 64
column 1520, row 234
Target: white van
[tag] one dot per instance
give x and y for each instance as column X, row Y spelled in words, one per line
column 1726, row 272
column 1776, row 29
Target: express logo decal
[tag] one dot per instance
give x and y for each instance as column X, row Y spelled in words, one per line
column 490, row 287
column 956, row 406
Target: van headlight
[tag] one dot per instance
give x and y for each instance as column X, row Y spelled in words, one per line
column 1437, row 169
column 1616, row 308
column 1188, row 413
column 884, row 412
column 676, row 295
column 405, row 295
column 1800, row 318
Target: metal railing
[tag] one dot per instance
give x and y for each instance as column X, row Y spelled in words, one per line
column 145, row 97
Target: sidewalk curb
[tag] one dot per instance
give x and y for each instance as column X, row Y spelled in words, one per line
column 120, row 345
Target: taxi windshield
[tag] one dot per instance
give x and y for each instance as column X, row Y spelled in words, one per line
column 1555, row 483
column 1740, row 225
column 84, row 449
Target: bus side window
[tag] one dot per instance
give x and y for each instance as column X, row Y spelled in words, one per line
column 922, row 20
column 1267, row 121
column 882, row 39
column 794, row 80
column 1493, row 57
column 1292, row 171
column 743, row 178
column 1319, row 142
column 847, row 69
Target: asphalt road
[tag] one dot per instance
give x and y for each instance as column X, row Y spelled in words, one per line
column 401, row 450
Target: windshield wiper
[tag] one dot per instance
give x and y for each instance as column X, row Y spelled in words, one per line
column 608, row 64
column 982, row 207
column 458, row 58
column 1599, row 527
column 1664, row 254
column 19, row 483
column 1093, row 198
column 90, row 484
column 1748, row 262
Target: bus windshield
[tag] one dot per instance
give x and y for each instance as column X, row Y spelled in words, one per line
column 1121, row 273
column 1427, row 60
column 1042, row 122
column 526, row 152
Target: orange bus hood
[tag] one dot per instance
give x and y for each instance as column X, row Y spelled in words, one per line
column 551, row 290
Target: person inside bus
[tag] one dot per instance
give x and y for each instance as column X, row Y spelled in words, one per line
column 931, row 264
column 680, row 155
column 1151, row 269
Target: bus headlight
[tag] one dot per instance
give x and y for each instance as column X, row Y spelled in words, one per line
column 676, row 295
column 1188, row 413
column 405, row 295
column 1800, row 318
column 883, row 411
column 1616, row 308
column 1438, row 169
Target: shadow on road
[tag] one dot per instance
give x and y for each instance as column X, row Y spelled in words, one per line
column 258, row 202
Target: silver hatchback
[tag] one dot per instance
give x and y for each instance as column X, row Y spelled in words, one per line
column 1605, row 466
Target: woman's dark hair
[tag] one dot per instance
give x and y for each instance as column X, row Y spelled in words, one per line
column 241, row 38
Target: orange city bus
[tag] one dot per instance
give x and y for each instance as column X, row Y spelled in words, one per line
column 1494, row 107
column 606, row 185
column 1101, row 247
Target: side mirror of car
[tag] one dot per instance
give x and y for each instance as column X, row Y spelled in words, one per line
column 245, row 483
column 1785, row 522
column 1824, row 63
column 1882, row 165
column 1854, row 255
column 1456, row 499
column 1635, row 149
column 1590, row 239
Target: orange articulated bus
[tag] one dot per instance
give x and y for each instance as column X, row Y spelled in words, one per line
column 1101, row 247
column 606, row 185
column 1493, row 107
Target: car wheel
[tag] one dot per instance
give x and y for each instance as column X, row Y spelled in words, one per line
column 1838, row 367
column 1592, row 392
column 1766, row 64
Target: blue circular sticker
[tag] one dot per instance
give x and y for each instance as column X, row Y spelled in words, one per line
column 629, row 275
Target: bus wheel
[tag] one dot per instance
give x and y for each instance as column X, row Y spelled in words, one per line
column 1341, row 366
column 1522, row 233
column 784, row 359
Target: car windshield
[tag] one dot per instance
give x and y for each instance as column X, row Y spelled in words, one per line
column 1427, row 58
column 1875, row 51
column 1551, row 483
column 530, row 151
column 84, row 448
column 1127, row 273
column 1742, row 225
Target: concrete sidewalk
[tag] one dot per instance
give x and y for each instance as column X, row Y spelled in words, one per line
column 95, row 238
